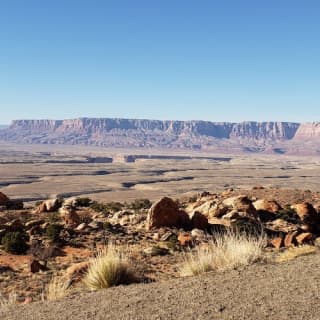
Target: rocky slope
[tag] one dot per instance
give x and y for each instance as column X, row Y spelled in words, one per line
column 205, row 135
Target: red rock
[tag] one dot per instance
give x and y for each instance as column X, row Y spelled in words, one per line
column 3, row 199
column 267, row 205
column 185, row 239
column 35, row 266
column 306, row 213
column 277, row 242
column 289, row 239
column 166, row 213
column 241, row 204
column 304, row 237
column 199, row 221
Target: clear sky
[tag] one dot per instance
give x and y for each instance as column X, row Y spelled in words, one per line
column 162, row 59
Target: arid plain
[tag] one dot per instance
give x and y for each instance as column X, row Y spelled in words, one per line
column 38, row 172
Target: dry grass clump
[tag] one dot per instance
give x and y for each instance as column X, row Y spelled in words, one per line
column 227, row 251
column 57, row 288
column 294, row 252
column 110, row 267
column 10, row 300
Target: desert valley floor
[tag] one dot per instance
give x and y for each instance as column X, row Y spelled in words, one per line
column 37, row 172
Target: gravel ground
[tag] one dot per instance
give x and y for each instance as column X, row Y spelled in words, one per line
column 264, row 291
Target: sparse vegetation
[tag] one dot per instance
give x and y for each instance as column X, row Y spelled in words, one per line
column 294, row 252
column 288, row 214
column 227, row 251
column 84, row 202
column 110, row 267
column 15, row 242
column 57, row 288
column 8, row 301
column 139, row 204
column 53, row 231
column 106, row 207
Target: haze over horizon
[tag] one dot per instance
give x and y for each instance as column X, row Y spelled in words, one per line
column 171, row 60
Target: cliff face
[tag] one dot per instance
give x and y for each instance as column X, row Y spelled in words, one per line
column 308, row 131
column 156, row 133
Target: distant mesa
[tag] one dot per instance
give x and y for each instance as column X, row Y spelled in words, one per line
column 268, row 137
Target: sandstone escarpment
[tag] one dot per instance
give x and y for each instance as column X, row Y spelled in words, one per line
column 218, row 136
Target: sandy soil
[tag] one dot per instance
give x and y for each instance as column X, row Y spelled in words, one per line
column 264, row 291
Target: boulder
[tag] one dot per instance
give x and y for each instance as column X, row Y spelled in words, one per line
column 241, row 204
column 307, row 213
column 3, row 199
column 212, row 208
column 166, row 213
column 199, row 221
column 267, row 205
column 70, row 216
column 35, row 266
column 198, row 234
column 50, row 205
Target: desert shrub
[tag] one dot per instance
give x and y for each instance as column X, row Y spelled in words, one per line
column 15, row 242
column 139, row 204
column 53, row 217
column 53, row 231
column 56, row 289
column 106, row 207
column 10, row 300
column 226, row 251
column 84, row 202
column 109, row 268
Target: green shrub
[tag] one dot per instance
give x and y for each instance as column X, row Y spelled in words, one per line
column 15, row 242
column 288, row 214
column 139, row 204
column 84, row 202
column 53, row 231
column 106, row 207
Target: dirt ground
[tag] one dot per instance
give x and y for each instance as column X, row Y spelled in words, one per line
column 263, row 291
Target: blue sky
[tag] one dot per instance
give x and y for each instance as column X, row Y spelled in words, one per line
column 162, row 59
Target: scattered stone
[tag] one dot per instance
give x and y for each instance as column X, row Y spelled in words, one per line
column 167, row 236
column 35, row 266
column 198, row 234
column 81, row 227
column 185, row 239
column 290, row 240
column 280, row 225
column 95, row 225
column 277, row 242
column 156, row 251
column 304, row 237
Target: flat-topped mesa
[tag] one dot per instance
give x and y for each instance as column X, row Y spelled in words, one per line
column 35, row 125
column 142, row 133
column 265, row 130
column 309, row 130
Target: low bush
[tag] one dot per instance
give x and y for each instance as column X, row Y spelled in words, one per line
column 15, row 242
column 57, row 288
column 109, row 268
column 84, row 202
column 53, row 231
column 139, row 204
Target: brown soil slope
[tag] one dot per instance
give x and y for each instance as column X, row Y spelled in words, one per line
column 283, row 291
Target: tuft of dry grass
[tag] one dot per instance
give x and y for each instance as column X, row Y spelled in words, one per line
column 110, row 267
column 294, row 252
column 227, row 251
column 57, row 288
column 9, row 301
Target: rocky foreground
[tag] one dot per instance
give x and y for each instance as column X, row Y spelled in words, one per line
column 58, row 236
